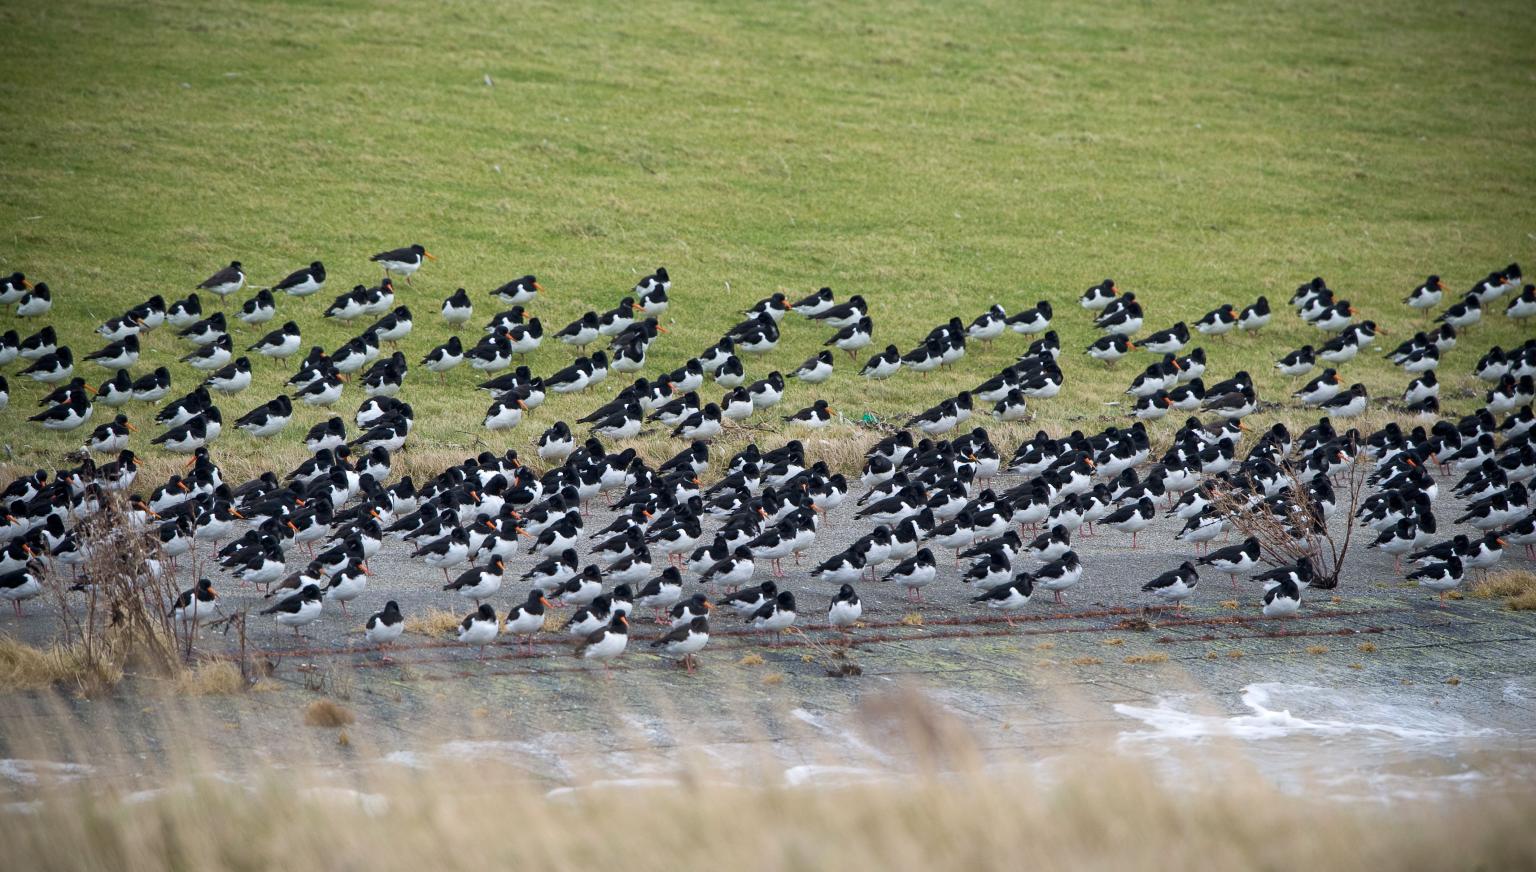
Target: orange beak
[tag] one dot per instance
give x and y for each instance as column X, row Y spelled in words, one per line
column 637, row 307
column 522, row 532
column 90, row 389
column 26, row 284
column 365, row 569
column 236, row 513
column 545, row 602
column 662, row 329
column 429, row 255
column 131, row 428
column 1130, row 345
column 709, row 606
column 537, row 287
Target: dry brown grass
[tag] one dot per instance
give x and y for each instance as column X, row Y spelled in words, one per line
column 325, row 713
column 1112, row 815
column 1366, row 647
column 1317, row 650
column 751, row 660
column 23, row 667
column 220, row 677
column 1146, row 659
column 1517, row 587
column 1086, row 661
column 436, row 622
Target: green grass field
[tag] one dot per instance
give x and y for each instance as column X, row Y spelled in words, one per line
column 935, row 157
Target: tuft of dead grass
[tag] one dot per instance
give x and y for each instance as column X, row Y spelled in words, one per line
column 1317, row 650
column 325, row 713
column 1086, row 661
column 1517, row 587
column 24, row 667
column 1366, row 647
column 912, row 619
column 216, row 678
column 1145, row 659
column 434, row 622
column 751, row 660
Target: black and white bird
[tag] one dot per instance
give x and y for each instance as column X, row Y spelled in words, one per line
column 1029, row 322
column 385, row 627
column 853, row 337
column 1218, row 321
column 845, row 609
column 458, row 309
column 258, row 309
column 1096, row 298
column 607, row 643
column 36, row 302
column 72, row 412
column 1009, row 596
column 1462, row 314
column 111, row 437
column 303, row 282
column 122, row 354
column 1426, row 296
column 279, row 344
column 1255, row 317
column 1234, row 560
column 197, row 605
column 686, row 640
column 479, row 628
column 1175, row 585
column 52, row 368
column 1132, row 518
column 883, row 365
column 403, row 261
column 226, row 281
column 1349, row 404
column 297, row 610
column 775, row 617
column 1283, row 599
column 1111, row 348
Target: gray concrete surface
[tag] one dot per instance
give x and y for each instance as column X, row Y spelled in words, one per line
column 1049, row 683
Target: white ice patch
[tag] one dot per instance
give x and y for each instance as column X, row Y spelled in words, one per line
column 31, row 772
column 1272, row 714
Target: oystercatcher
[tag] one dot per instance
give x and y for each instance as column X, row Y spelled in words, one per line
column 303, row 282
column 402, row 261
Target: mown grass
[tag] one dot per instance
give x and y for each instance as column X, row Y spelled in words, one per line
column 934, row 157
